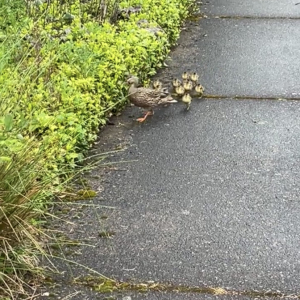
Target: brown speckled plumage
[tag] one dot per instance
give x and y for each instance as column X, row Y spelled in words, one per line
column 146, row 97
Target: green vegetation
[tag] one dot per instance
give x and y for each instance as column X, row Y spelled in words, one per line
column 62, row 71
column 105, row 285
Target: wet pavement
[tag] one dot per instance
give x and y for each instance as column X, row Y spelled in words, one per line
column 210, row 196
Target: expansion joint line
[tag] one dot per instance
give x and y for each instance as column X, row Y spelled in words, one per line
column 245, row 97
column 249, row 17
column 102, row 285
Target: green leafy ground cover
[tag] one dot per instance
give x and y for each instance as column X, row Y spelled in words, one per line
column 62, row 70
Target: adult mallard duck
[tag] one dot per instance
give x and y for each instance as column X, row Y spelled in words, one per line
column 146, row 97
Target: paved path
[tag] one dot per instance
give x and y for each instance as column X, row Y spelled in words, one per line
column 211, row 197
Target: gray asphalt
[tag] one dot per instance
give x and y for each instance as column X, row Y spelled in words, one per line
column 210, row 196
column 242, row 57
column 256, row 8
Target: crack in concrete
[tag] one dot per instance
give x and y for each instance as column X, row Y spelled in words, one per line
column 250, row 17
column 102, row 285
column 245, row 97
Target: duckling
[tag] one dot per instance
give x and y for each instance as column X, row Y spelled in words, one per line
column 188, row 85
column 180, row 90
column 187, row 99
column 146, row 98
column 194, row 77
column 185, row 75
column 199, row 89
column 157, row 85
column 176, row 82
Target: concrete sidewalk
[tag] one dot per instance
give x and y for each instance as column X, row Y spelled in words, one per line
column 210, row 197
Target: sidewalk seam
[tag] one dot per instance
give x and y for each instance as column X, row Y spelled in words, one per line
column 250, row 17
column 249, row 97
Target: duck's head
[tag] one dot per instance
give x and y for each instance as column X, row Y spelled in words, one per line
column 194, row 76
column 157, row 84
column 185, row 75
column 132, row 80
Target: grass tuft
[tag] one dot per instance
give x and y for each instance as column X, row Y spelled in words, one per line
column 23, row 195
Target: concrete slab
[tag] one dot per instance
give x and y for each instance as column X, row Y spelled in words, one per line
column 241, row 57
column 210, row 196
column 254, row 8
column 213, row 199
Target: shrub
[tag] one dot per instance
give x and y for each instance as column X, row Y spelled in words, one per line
column 62, row 72
column 64, row 90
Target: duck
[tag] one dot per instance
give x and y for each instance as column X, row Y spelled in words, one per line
column 187, row 99
column 157, row 85
column 185, row 75
column 188, row 85
column 194, row 77
column 146, row 97
column 199, row 89
column 176, row 82
column 180, row 90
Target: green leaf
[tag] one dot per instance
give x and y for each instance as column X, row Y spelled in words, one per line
column 8, row 122
column 4, row 159
column 72, row 155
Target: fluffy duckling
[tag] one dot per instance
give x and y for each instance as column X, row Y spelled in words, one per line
column 176, row 82
column 157, row 85
column 194, row 77
column 199, row 89
column 180, row 90
column 187, row 99
column 185, row 75
column 188, row 85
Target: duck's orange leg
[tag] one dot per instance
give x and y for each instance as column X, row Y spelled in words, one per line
column 148, row 113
